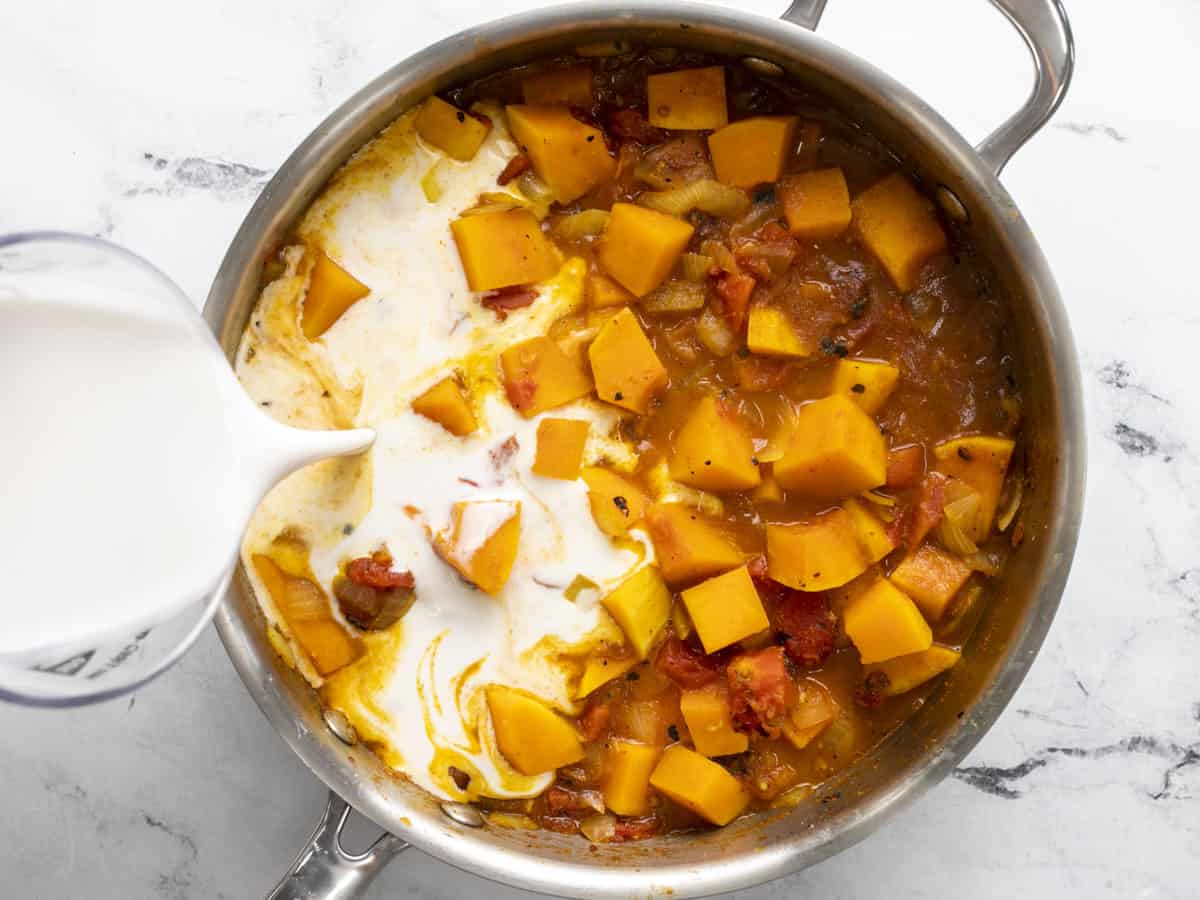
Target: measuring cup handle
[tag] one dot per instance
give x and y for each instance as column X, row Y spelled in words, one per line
column 323, row 870
column 1046, row 30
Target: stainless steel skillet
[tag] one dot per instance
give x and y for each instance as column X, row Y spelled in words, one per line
column 928, row 745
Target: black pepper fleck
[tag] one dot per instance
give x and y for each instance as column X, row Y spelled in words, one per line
column 964, row 454
column 590, row 138
column 622, row 504
column 673, row 732
column 462, row 116
column 618, row 396
column 632, row 676
column 347, row 528
column 858, row 388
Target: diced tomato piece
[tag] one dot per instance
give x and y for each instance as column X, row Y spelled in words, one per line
column 918, row 518
column 631, row 125
column 769, row 252
column 687, row 666
column 761, row 690
column 594, row 721
column 806, row 626
column 514, row 168
column 735, row 288
column 560, row 824
column 505, row 300
column 636, row 829
column 376, row 571
column 905, row 465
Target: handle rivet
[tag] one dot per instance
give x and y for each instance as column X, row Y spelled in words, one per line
column 953, row 207
column 463, row 814
column 337, row 722
column 763, row 67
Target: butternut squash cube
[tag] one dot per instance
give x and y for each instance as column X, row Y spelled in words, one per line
column 931, row 577
column 639, row 246
column 627, row 784
column 617, row 503
column 818, row 555
column 446, row 404
column 532, row 736
column 725, row 609
column 816, row 204
column 770, row 333
column 872, row 536
column 641, row 605
column 768, row 490
column 481, row 542
column 602, row 292
column 688, row 100
column 836, row 450
column 713, row 451
column 752, row 151
column 539, row 376
column 899, row 227
column 306, row 611
column 600, row 670
column 331, row 291
column 500, row 249
column 456, row 133
column 687, row 545
column 907, row 672
column 868, row 384
column 981, row 462
column 884, row 623
column 699, row 784
column 560, row 444
column 570, row 156
column 627, row 371
column 706, row 712
column 570, row 87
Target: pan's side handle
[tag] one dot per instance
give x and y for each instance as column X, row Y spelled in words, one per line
column 323, row 870
column 1044, row 26
column 1046, row 30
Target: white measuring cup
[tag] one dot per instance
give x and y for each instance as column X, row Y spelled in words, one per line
column 131, row 460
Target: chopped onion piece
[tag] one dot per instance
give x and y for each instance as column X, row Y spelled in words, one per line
column 599, row 829
column 705, row 195
column 695, row 266
column 1013, row 503
column 954, row 539
column 587, row 224
column 715, row 334
column 676, row 297
column 878, row 499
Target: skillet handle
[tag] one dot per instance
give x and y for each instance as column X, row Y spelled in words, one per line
column 1044, row 27
column 323, row 870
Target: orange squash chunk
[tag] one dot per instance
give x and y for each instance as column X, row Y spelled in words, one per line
column 560, row 444
column 640, row 246
column 446, row 404
column 568, row 155
column 816, row 204
column 931, row 577
column 331, row 291
column 899, row 227
column 628, row 372
column 836, row 450
column 752, row 151
column 690, row 99
column 500, row 249
column 456, row 133
column 818, row 555
column 539, row 376
column 884, row 623
column 305, row 609
column 481, row 542
column 687, row 545
column 713, row 451
column 617, row 503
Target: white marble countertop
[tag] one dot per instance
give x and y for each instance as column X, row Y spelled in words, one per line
column 156, row 123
